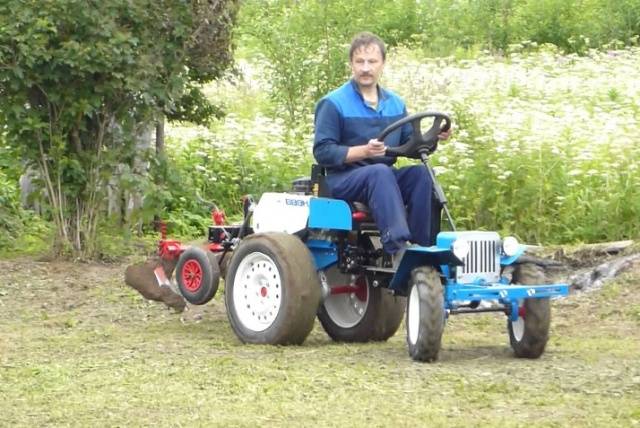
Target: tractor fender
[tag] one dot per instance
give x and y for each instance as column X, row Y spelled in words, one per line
column 281, row 212
column 420, row 256
column 292, row 213
column 509, row 260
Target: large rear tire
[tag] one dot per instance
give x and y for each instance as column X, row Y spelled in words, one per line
column 367, row 314
column 425, row 314
column 529, row 334
column 272, row 290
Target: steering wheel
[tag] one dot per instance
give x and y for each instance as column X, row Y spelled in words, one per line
column 418, row 143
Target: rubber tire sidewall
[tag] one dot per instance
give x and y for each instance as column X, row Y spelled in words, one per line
column 432, row 315
column 390, row 315
column 380, row 321
column 537, row 319
column 300, row 289
column 210, row 275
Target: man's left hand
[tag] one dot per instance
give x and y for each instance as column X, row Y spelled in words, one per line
column 444, row 135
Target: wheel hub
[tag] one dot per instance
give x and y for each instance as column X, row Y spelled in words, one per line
column 257, row 291
column 192, row 275
column 346, row 305
column 413, row 315
column 518, row 326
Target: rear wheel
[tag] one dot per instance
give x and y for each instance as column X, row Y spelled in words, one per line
column 357, row 311
column 272, row 290
column 198, row 275
column 529, row 334
column 425, row 314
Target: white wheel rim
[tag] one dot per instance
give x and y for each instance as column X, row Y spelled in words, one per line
column 517, row 327
column 413, row 315
column 257, row 292
column 346, row 309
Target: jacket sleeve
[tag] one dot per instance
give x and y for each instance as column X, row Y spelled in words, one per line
column 327, row 145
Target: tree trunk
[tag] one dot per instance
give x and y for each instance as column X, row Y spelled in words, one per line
column 160, row 137
column 160, row 153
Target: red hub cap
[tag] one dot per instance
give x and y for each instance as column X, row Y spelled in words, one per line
column 362, row 289
column 192, row 275
column 522, row 311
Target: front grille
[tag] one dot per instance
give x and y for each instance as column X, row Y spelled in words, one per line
column 483, row 260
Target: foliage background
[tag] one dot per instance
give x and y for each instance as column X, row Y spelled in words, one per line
column 542, row 94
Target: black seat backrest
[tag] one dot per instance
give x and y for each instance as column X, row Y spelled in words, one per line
column 318, row 181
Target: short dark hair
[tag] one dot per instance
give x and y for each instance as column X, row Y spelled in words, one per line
column 365, row 39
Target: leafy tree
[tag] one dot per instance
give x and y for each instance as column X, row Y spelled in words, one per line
column 305, row 43
column 78, row 77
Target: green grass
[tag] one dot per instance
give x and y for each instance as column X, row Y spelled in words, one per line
column 78, row 348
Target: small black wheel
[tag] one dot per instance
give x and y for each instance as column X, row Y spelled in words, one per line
column 366, row 313
column 198, row 275
column 272, row 290
column 425, row 314
column 529, row 334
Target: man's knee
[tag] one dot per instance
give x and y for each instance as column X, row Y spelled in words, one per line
column 379, row 173
column 418, row 172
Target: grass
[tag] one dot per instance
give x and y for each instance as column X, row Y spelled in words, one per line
column 78, row 348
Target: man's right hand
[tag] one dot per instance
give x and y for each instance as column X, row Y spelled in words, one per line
column 374, row 148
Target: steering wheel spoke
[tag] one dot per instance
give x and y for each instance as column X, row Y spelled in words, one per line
column 418, row 143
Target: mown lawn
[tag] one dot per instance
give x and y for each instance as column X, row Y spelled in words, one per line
column 78, row 348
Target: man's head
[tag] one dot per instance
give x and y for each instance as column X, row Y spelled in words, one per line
column 366, row 57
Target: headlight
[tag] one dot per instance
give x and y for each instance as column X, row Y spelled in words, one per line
column 510, row 246
column 460, row 248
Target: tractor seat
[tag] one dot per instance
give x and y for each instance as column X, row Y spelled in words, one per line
column 316, row 185
column 360, row 212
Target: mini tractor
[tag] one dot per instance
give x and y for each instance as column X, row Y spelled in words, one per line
column 301, row 254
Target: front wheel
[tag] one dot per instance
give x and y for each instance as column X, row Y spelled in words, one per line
column 272, row 290
column 425, row 314
column 529, row 334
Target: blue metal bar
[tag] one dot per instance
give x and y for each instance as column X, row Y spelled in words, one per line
column 503, row 292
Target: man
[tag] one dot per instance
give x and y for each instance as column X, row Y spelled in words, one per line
column 347, row 122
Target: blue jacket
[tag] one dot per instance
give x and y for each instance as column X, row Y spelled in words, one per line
column 343, row 119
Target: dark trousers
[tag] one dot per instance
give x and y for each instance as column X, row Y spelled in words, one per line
column 399, row 200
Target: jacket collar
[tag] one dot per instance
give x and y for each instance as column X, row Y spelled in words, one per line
column 382, row 93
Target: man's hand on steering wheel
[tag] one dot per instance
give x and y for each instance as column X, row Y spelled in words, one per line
column 444, row 135
column 419, row 144
column 375, row 148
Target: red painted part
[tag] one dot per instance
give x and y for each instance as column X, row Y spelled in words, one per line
column 363, row 289
column 263, row 292
column 360, row 289
column 192, row 275
column 169, row 249
column 218, row 217
column 163, row 230
column 359, row 216
column 216, row 247
column 522, row 311
column 344, row 289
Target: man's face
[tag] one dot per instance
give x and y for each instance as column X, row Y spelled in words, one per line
column 367, row 65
